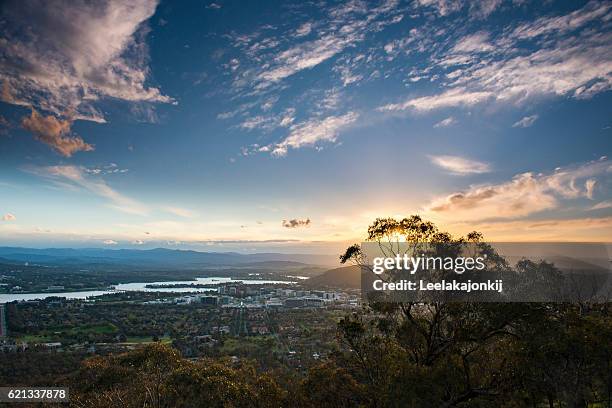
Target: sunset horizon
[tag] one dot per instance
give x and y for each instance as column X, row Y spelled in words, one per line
column 209, row 130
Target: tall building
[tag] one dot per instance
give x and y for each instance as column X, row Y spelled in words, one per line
column 3, row 332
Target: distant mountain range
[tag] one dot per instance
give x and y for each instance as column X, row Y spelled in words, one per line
column 160, row 257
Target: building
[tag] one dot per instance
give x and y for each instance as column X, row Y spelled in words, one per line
column 314, row 302
column 210, row 300
column 294, row 302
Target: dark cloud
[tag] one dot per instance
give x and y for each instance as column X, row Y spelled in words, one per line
column 295, row 223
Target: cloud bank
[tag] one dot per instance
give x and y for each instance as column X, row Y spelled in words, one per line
column 525, row 194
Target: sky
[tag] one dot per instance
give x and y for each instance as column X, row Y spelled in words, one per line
column 291, row 126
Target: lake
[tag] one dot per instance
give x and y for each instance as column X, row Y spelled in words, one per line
column 139, row 287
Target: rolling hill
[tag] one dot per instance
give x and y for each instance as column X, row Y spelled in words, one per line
column 347, row 277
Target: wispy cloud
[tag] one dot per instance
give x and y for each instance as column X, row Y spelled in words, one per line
column 77, row 178
column 460, row 165
column 545, row 26
column 268, row 122
column 474, row 43
column 589, row 187
column 476, row 8
column 442, row 7
column 181, row 212
column 602, row 205
column 304, row 29
column 109, row 242
column 525, row 194
column 452, row 97
column 279, row 56
column 567, row 55
column 527, row 121
column 111, row 168
column 450, row 121
column 312, row 132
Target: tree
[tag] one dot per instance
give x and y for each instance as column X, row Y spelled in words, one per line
column 440, row 353
column 157, row 376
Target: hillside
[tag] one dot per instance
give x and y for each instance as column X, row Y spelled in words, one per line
column 347, row 277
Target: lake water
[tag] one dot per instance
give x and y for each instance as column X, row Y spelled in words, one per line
column 138, row 286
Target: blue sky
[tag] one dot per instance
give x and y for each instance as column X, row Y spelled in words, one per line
column 291, row 126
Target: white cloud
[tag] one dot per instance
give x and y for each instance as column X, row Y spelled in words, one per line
column 331, row 100
column 138, row 242
column 589, row 187
column 442, row 7
column 77, row 177
column 287, row 118
column 269, row 122
column 306, row 56
column 483, row 8
column 313, row 131
column 254, row 122
column 459, row 165
column 525, row 194
column 308, row 133
column 63, row 58
column 8, row 217
column 226, row 115
column 450, row 98
column 450, row 121
column 602, row 205
column 564, row 57
column 477, row 42
column 580, row 66
column 543, row 26
column 527, row 121
column 111, row 168
column 303, row 30
column 477, row 8
column 347, row 76
column 109, row 242
column 276, row 59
